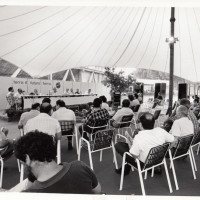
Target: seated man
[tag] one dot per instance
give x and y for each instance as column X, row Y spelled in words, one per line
column 62, row 113
column 35, row 111
column 44, row 122
column 5, row 143
column 190, row 115
column 93, row 117
column 125, row 110
column 182, row 126
column 145, row 139
column 37, row 151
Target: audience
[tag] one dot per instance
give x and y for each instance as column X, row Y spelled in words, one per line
column 93, row 117
column 44, row 122
column 125, row 110
column 62, row 113
column 104, row 103
column 37, row 151
column 35, row 111
column 46, row 100
column 146, row 139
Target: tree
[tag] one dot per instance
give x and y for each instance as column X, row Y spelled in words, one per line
column 117, row 81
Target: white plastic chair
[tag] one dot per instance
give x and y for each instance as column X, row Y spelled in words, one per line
column 101, row 140
column 156, row 157
column 182, row 149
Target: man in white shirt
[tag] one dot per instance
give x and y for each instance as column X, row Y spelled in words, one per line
column 104, row 103
column 35, row 111
column 18, row 99
column 44, row 122
column 146, row 139
column 62, row 113
column 134, row 100
column 182, row 126
column 124, row 111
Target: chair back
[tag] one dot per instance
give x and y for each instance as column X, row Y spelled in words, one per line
column 136, row 108
column 196, row 138
column 156, row 155
column 156, row 114
column 67, row 127
column 99, row 125
column 125, row 121
column 102, row 139
column 183, row 145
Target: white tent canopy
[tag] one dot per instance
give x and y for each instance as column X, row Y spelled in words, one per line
column 46, row 39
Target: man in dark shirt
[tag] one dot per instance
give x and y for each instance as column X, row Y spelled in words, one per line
column 94, row 117
column 37, row 151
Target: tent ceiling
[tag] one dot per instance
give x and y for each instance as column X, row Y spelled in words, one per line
column 44, row 39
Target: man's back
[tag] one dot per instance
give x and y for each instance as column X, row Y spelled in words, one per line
column 182, row 127
column 43, row 123
column 28, row 115
column 64, row 114
column 75, row 177
column 147, row 139
column 120, row 113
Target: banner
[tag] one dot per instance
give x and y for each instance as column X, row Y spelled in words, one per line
column 57, row 88
column 67, row 86
column 20, row 83
column 46, row 87
column 34, row 86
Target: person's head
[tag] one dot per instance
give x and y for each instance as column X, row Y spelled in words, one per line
column 182, row 111
column 89, row 91
column 35, row 149
column 125, row 103
column 46, row 108
column 60, row 103
column 103, row 98
column 35, row 106
column 130, row 97
column 97, row 103
column 19, row 90
column 136, row 96
column 167, row 125
column 147, row 120
column 46, row 100
column 185, row 102
column 10, row 89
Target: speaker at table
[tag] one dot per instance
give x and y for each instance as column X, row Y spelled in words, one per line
column 160, row 88
column 182, row 90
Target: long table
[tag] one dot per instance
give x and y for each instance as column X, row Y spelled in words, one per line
column 69, row 100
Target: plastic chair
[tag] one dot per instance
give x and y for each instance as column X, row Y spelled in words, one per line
column 182, row 149
column 195, row 142
column 156, row 157
column 67, row 127
column 103, row 139
column 156, row 117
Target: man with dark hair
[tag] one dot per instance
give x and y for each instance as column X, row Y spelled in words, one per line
column 29, row 115
column 95, row 115
column 44, row 122
column 104, row 103
column 10, row 97
column 19, row 99
column 125, row 110
column 37, row 151
column 62, row 113
column 185, row 102
column 146, row 139
column 46, row 100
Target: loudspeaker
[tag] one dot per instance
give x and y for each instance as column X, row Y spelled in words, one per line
column 116, row 99
column 139, row 88
column 182, row 90
column 160, row 87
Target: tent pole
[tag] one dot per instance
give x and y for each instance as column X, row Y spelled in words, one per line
column 171, row 71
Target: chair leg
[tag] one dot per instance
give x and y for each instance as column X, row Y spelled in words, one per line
column 114, row 155
column 191, row 162
column 122, row 173
column 173, row 170
column 194, row 162
column 18, row 164
column 58, row 152
column 90, row 157
column 79, row 149
column 1, row 179
column 167, row 175
column 198, row 149
column 152, row 172
column 141, row 179
column 101, row 152
column 22, row 173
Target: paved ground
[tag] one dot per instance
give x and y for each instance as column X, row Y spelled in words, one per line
column 107, row 177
